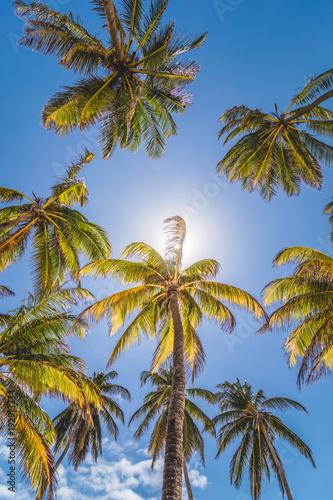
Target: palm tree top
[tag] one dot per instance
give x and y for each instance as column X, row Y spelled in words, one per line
column 36, row 361
column 131, row 84
column 60, row 234
column 156, row 406
column 78, row 429
column 304, row 307
column 279, row 149
column 159, row 279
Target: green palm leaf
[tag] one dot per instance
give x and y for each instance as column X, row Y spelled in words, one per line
column 278, row 150
column 306, row 298
column 130, row 87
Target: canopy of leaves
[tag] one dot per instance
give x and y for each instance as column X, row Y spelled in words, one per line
column 60, row 235
column 155, row 408
column 146, row 306
column 81, row 426
column 35, row 361
column 131, row 88
column 279, row 150
column 307, row 307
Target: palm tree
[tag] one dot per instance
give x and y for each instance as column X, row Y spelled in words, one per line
column 169, row 304
column 306, row 298
column 35, row 361
column 278, row 150
column 130, row 83
column 60, row 234
column 156, row 404
column 79, row 428
column 249, row 415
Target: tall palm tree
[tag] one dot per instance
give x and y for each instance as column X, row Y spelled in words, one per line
column 36, row 361
column 278, row 150
column 248, row 415
column 79, row 428
column 168, row 303
column 60, row 234
column 306, row 298
column 156, row 404
column 131, row 83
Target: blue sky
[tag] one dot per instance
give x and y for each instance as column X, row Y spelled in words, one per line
column 257, row 53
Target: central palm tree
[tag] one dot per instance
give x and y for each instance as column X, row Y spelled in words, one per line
column 156, row 404
column 305, row 299
column 279, row 150
column 131, row 83
column 169, row 304
column 78, row 428
column 249, row 415
column 59, row 233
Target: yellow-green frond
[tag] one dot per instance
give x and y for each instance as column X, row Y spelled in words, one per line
column 233, row 295
column 298, row 255
column 143, row 324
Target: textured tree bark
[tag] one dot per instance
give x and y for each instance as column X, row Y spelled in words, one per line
column 309, row 107
column 277, row 463
column 70, row 439
column 173, row 458
column 187, row 481
column 110, row 14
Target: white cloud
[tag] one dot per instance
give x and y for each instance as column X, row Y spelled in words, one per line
column 18, row 495
column 116, row 476
column 197, row 480
column 4, row 452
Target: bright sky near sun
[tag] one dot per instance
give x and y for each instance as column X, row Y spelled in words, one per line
column 257, row 53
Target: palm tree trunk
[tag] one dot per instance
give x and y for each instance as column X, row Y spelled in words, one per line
column 69, row 442
column 277, row 463
column 187, row 481
column 110, row 14
column 309, row 107
column 173, row 458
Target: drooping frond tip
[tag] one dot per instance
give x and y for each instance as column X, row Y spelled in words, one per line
column 175, row 231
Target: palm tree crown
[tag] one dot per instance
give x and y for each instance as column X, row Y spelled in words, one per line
column 306, row 298
column 248, row 415
column 158, row 279
column 36, row 361
column 78, row 429
column 156, row 405
column 279, row 150
column 60, row 234
column 131, row 84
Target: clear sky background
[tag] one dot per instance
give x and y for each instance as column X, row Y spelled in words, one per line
column 257, row 53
